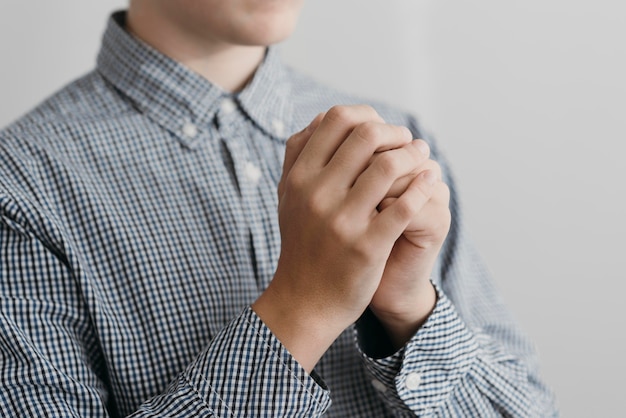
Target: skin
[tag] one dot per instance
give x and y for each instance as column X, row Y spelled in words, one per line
column 224, row 41
column 362, row 209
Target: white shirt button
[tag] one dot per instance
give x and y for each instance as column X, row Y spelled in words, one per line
column 228, row 106
column 253, row 173
column 413, row 381
column 279, row 127
column 379, row 386
column 190, row 130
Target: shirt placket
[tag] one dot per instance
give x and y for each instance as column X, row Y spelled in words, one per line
column 249, row 175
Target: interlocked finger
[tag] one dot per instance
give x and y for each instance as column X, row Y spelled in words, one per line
column 365, row 140
column 373, row 185
column 334, row 128
column 393, row 220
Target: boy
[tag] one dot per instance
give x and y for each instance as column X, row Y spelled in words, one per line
column 144, row 270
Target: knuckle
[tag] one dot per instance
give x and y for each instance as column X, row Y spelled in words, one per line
column 315, row 203
column 293, row 140
column 318, row 118
column 340, row 227
column 437, row 169
column 434, row 166
column 292, row 144
column 295, row 181
column 370, row 112
column 368, row 132
column 363, row 249
column 339, row 113
column 388, row 165
column 352, row 114
column 405, row 209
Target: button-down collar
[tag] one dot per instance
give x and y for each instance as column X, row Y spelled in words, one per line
column 183, row 101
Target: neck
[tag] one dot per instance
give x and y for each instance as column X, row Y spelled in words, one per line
column 226, row 65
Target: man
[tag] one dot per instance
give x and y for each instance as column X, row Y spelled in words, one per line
column 144, row 269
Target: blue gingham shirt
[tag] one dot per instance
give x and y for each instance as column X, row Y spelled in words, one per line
column 138, row 221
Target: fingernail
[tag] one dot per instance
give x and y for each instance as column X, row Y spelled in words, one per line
column 422, row 146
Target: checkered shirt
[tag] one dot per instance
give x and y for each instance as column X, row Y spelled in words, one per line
column 138, row 221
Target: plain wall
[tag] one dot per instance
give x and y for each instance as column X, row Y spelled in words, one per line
column 527, row 99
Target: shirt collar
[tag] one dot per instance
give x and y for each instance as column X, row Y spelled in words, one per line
column 174, row 96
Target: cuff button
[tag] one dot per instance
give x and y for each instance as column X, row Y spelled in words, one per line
column 413, row 381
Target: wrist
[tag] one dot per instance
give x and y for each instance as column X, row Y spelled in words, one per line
column 403, row 320
column 305, row 333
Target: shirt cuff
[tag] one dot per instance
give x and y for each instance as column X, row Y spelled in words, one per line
column 423, row 374
column 246, row 371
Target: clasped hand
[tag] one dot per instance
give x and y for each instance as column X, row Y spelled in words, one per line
column 363, row 214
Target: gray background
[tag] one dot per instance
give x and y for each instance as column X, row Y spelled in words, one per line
column 528, row 100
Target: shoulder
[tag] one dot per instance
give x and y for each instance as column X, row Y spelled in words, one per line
column 88, row 97
column 66, row 114
column 63, row 126
column 50, row 143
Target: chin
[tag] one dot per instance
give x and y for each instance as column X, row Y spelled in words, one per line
column 266, row 31
column 263, row 38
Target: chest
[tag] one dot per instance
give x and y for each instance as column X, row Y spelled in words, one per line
column 171, row 245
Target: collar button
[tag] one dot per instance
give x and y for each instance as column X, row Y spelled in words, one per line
column 279, row 127
column 228, row 106
column 190, row 130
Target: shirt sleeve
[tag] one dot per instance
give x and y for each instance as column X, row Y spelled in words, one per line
column 51, row 365
column 469, row 358
column 247, row 372
column 448, row 370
